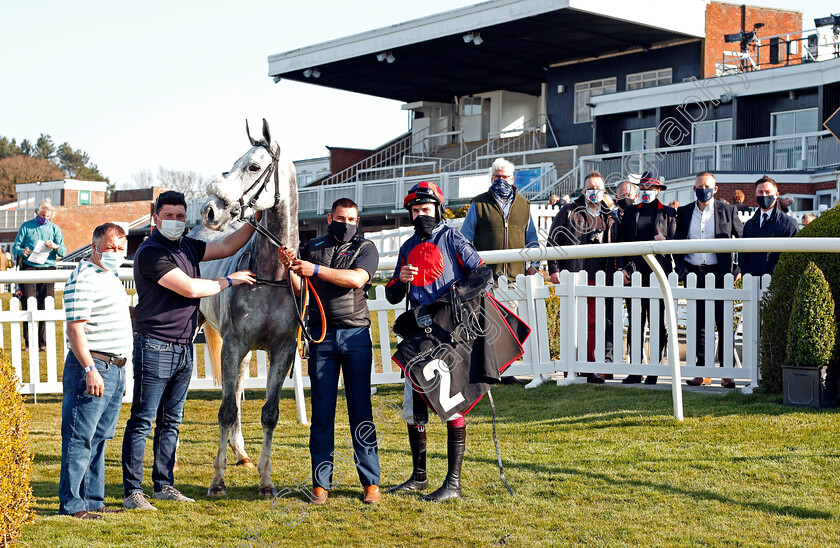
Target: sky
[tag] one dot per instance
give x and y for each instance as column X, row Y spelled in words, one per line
column 146, row 84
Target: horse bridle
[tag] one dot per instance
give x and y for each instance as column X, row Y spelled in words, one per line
column 252, row 196
column 259, row 185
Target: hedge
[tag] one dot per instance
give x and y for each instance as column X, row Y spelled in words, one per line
column 15, row 457
column 778, row 301
column 812, row 322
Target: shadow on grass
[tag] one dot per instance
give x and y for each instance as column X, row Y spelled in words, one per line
column 706, row 494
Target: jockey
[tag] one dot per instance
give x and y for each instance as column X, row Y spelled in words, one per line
column 434, row 258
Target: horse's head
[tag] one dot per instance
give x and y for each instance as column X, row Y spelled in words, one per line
column 251, row 185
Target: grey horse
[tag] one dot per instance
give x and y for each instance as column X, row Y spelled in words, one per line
column 250, row 317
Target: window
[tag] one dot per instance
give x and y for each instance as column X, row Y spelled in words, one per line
column 639, row 139
column 711, row 158
column 84, row 197
column 787, row 153
column 712, row 131
column 794, row 121
column 649, row 79
column 471, row 106
column 585, row 91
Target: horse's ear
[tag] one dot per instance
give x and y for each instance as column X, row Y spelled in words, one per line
column 248, row 131
column 266, row 132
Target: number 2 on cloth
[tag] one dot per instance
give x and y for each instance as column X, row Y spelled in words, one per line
column 446, row 401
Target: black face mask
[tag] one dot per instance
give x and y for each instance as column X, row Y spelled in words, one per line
column 424, row 225
column 766, row 202
column 343, row 232
column 623, row 203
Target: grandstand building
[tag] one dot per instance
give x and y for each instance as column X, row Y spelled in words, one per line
column 565, row 87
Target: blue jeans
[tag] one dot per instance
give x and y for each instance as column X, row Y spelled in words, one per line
column 351, row 351
column 87, row 423
column 162, row 372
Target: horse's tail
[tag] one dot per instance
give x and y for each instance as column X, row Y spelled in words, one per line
column 214, row 347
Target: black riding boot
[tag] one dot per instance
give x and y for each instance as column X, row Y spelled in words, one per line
column 418, row 480
column 455, row 444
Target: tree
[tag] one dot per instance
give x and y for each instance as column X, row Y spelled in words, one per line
column 24, row 169
column 76, row 164
column 9, row 148
column 44, row 147
column 190, row 183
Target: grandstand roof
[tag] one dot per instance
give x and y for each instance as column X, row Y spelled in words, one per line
column 521, row 40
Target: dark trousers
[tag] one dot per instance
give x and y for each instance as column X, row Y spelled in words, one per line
column 701, row 314
column 162, row 372
column 349, row 351
column 592, row 326
column 40, row 291
column 644, row 318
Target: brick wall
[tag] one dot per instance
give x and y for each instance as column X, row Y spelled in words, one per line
column 724, row 19
column 77, row 222
column 342, row 158
column 137, row 194
column 726, row 191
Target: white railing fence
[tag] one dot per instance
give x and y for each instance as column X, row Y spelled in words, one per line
column 533, row 300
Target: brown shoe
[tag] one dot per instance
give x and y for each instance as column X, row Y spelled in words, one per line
column 319, row 495
column 106, row 510
column 84, row 514
column 699, row 381
column 372, row 495
column 727, row 383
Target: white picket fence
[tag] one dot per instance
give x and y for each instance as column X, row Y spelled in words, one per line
column 530, row 297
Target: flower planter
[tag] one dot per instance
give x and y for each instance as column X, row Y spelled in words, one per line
column 814, row 387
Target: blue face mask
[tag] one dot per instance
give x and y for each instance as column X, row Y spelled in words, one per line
column 41, row 220
column 704, row 194
column 502, row 188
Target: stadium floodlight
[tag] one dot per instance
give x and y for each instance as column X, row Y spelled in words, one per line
column 390, row 57
column 307, row 73
column 380, row 56
column 316, row 73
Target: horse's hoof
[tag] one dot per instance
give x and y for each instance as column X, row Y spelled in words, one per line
column 217, row 490
column 247, row 463
column 268, row 492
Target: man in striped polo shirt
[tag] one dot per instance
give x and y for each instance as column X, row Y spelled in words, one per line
column 99, row 330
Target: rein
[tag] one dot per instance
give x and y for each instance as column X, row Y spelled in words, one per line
column 300, row 307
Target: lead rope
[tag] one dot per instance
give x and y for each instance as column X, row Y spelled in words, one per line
column 496, row 442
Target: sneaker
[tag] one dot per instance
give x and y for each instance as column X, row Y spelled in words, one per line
column 170, row 493
column 137, row 501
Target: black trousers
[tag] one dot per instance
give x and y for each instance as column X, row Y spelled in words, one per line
column 701, row 313
column 40, row 291
column 644, row 318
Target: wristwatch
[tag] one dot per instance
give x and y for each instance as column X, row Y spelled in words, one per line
column 89, row 368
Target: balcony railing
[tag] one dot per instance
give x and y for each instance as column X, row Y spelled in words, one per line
column 802, row 151
column 388, row 193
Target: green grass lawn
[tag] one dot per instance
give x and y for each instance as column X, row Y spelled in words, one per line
column 590, row 466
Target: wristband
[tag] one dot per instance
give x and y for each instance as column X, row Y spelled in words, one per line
column 90, row 368
column 230, row 282
column 316, row 271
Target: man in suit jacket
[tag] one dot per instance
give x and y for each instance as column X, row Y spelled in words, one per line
column 707, row 219
column 648, row 220
column 768, row 222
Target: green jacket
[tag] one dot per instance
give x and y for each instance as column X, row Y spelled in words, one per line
column 492, row 231
column 29, row 234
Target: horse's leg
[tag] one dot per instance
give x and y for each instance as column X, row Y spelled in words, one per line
column 233, row 351
column 237, row 442
column 281, row 356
